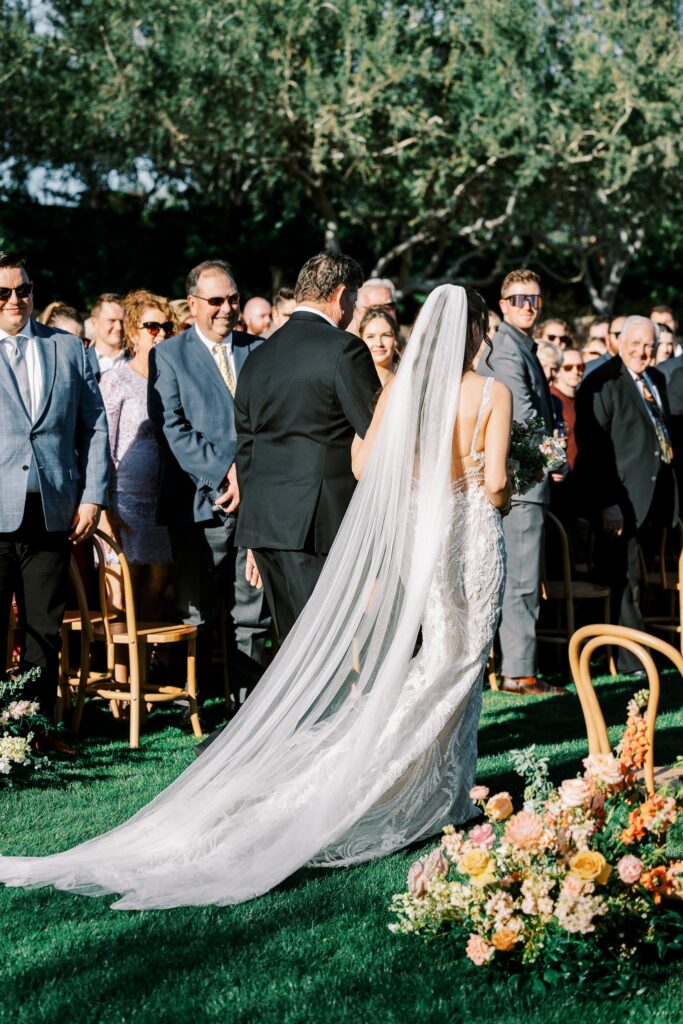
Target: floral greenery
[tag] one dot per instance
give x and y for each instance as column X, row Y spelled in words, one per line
column 532, row 454
column 18, row 721
column 583, row 876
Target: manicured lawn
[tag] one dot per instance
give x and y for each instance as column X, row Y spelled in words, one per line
column 316, row 951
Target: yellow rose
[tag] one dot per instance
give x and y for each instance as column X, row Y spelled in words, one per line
column 504, row 939
column 590, row 866
column 475, row 862
column 499, row 807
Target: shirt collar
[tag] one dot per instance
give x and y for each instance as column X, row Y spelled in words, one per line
column 207, row 341
column 318, row 312
column 507, row 328
column 25, row 332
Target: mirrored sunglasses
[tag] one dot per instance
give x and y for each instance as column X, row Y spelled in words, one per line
column 535, row 301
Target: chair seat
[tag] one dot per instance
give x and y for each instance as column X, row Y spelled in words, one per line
column 152, row 692
column 581, row 590
column 157, row 632
column 73, row 619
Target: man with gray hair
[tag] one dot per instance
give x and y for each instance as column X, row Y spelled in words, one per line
column 375, row 293
column 624, row 467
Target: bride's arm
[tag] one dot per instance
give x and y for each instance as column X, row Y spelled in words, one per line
column 362, row 446
column 497, row 446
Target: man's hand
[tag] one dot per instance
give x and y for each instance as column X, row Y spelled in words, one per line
column 84, row 522
column 613, row 521
column 230, row 498
column 251, row 573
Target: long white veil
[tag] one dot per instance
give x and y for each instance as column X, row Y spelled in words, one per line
column 291, row 776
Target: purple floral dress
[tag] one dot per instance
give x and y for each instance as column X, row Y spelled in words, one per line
column 133, row 487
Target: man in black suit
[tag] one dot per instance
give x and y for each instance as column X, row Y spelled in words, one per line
column 625, row 466
column 301, row 398
column 192, row 380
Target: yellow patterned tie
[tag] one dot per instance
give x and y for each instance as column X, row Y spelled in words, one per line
column 221, row 357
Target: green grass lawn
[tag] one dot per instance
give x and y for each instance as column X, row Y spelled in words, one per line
column 315, row 951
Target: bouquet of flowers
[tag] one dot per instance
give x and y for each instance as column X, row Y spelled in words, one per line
column 18, row 721
column 583, row 875
column 532, row 454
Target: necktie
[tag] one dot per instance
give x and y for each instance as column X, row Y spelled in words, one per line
column 221, row 357
column 20, row 370
column 665, row 449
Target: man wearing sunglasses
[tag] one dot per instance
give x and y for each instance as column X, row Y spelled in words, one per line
column 513, row 360
column 192, row 382
column 54, row 450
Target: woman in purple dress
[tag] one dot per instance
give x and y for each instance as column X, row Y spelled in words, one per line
column 131, row 517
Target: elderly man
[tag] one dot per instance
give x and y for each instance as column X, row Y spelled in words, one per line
column 54, row 451
column 624, row 466
column 375, row 293
column 106, row 322
column 258, row 316
column 192, row 383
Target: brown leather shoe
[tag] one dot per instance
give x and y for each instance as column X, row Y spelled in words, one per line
column 529, row 686
column 50, row 744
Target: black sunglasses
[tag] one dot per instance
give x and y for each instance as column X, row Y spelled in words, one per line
column 219, row 300
column 564, row 338
column 535, row 301
column 153, row 326
column 22, row 291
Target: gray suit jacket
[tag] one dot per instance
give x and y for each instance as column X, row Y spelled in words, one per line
column 193, row 415
column 513, row 360
column 68, row 438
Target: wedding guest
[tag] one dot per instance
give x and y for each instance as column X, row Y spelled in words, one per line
column 378, row 292
column 379, row 331
column 135, row 458
column 664, row 315
column 550, row 358
column 106, row 350
column 557, row 332
column 598, row 330
column 612, row 341
column 181, row 313
column 64, row 317
column 494, row 323
column 664, row 344
column 284, row 305
column 513, row 360
column 258, row 316
column 592, row 349
column 625, row 467
column 563, row 388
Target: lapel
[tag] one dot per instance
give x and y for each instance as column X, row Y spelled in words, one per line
column 630, row 390
column 46, row 349
column 200, row 353
column 8, row 382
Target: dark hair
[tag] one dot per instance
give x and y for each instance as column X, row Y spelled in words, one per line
column 477, row 325
column 375, row 312
column 662, row 309
column 105, row 297
column 283, row 295
column 598, row 320
column 320, row 275
column 12, row 261
column 60, row 310
column 202, row 268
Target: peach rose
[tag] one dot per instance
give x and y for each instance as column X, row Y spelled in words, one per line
column 590, row 866
column 417, row 883
column 504, row 939
column 475, row 862
column 478, row 793
column 629, row 869
column 604, row 768
column 435, row 865
column 575, row 792
column 499, row 807
column 572, row 885
column 526, row 830
column 478, row 950
column 482, row 835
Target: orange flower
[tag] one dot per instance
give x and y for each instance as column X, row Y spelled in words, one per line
column 657, row 882
column 504, row 939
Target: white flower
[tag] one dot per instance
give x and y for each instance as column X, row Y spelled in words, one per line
column 5, row 766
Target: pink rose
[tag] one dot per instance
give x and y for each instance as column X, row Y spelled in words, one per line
column 482, row 836
column 575, row 792
column 478, row 950
column 527, row 831
column 478, row 793
column 630, row 869
column 435, row 865
column 417, row 883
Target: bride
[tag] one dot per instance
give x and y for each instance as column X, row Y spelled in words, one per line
column 350, row 747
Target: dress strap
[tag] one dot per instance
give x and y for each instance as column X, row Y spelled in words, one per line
column 486, row 395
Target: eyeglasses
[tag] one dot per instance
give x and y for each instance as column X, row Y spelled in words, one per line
column 564, row 338
column 153, row 326
column 22, row 291
column 593, row 352
column 535, row 301
column 579, row 367
column 219, row 300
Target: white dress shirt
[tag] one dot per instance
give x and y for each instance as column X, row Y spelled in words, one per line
column 34, row 369
column 318, row 312
column 227, row 342
column 107, row 363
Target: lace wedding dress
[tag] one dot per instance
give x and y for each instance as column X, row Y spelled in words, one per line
column 350, row 747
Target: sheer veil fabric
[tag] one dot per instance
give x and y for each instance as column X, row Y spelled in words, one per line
column 317, row 767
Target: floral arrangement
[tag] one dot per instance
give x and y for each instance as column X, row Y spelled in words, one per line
column 532, row 454
column 583, row 873
column 18, row 721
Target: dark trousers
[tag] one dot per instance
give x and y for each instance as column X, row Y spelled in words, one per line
column 210, row 579
column 34, row 565
column 289, row 579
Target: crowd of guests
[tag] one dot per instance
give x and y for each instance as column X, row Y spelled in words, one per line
column 611, row 390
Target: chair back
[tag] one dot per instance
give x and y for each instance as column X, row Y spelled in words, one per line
column 128, row 599
column 582, row 646
column 81, row 598
column 565, row 555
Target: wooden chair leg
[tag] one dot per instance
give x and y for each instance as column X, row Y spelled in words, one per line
column 491, row 672
column 192, row 686
column 82, row 682
column 134, row 677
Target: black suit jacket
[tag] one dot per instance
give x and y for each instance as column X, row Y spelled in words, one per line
column 300, row 399
column 618, row 459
